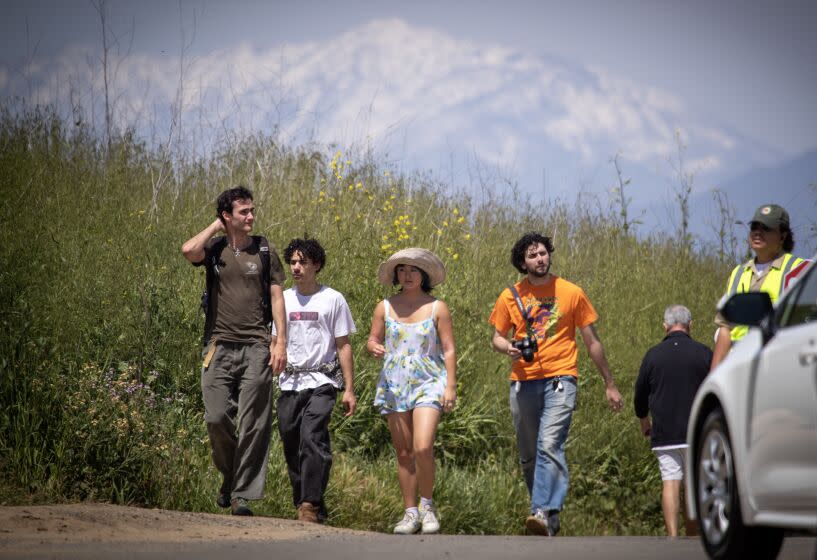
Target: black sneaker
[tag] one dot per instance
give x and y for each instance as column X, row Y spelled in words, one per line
column 240, row 507
column 323, row 514
column 223, row 500
column 553, row 522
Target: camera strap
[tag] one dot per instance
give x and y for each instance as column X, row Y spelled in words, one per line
column 522, row 310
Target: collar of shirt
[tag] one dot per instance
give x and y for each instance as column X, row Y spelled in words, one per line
column 674, row 334
column 776, row 263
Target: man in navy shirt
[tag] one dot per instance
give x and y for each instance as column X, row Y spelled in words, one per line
column 670, row 375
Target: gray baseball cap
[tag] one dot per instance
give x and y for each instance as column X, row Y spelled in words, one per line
column 772, row 216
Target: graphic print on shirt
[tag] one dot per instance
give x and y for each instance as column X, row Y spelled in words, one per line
column 544, row 314
column 303, row 316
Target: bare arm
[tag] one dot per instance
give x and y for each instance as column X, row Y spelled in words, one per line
column 646, row 426
column 193, row 248
column 445, row 328
column 278, row 344
column 596, row 351
column 502, row 345
column 722, row 346
column 374, row 345
column 347, row 366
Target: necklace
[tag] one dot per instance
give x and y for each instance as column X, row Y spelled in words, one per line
column 236, row 250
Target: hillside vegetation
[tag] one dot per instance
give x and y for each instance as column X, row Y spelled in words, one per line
column 100, row 341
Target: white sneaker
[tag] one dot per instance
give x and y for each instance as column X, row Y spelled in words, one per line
column 430, row 522
column 409, row 525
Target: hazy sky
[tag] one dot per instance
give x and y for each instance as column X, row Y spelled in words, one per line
column 749, row 64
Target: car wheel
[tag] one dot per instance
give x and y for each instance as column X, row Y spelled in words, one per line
column 718, row 503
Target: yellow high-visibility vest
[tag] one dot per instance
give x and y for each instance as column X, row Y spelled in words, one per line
column 773, row 284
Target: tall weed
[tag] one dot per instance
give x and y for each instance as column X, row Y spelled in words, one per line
column 99, row 372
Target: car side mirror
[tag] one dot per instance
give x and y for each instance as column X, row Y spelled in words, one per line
column 749, row 309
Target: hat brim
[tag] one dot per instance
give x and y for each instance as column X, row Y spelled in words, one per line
column 423, row 259
column 769, row 222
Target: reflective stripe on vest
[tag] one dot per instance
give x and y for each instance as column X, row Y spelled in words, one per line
column 773, row 284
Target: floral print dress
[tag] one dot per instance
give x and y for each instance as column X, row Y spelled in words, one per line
column 413, row 371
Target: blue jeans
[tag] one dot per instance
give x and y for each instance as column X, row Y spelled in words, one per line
column 542, row 410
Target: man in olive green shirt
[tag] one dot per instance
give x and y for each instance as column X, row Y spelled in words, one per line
column 243, row 293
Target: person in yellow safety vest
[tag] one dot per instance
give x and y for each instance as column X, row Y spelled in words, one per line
column 771, row 240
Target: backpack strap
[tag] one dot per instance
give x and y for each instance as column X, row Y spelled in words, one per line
column 263, row 253
column 212, row 261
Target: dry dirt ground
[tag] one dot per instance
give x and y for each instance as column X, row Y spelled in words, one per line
column 22, row 527
column 102, row 531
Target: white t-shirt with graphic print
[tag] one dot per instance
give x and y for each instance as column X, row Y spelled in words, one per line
column 313, row 323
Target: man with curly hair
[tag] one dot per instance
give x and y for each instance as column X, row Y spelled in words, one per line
column 319, row 365
column 542, row 312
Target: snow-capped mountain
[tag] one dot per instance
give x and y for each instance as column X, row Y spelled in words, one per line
column 420, row 98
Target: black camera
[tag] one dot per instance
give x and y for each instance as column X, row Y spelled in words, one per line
column 527, row 346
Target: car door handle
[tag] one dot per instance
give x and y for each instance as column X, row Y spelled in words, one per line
column 808, row 358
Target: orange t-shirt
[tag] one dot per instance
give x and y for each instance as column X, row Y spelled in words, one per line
column 556, row 311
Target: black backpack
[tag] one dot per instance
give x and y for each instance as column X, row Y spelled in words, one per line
column 212, row 262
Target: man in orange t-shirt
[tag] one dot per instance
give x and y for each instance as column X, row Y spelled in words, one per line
column 543, row 376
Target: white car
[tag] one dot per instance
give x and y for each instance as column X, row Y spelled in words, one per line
column 752, row 433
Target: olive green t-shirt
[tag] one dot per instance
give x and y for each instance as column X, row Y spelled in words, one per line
column 239, row 311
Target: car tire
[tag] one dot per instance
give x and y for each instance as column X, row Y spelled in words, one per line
column 717, row 499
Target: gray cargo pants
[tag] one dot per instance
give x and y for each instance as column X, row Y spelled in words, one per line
column 236, row 387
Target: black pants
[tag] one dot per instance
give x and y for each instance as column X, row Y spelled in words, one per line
column 303, row 422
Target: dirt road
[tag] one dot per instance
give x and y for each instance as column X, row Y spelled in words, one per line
column 96, row 531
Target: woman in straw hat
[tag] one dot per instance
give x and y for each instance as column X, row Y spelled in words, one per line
column 413, row 334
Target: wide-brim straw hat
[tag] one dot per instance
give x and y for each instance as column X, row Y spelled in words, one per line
column 423, row 259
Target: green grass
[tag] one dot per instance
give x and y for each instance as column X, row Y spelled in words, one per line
column 99, row 358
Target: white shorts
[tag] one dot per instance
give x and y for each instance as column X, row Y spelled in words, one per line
column 671, row 462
